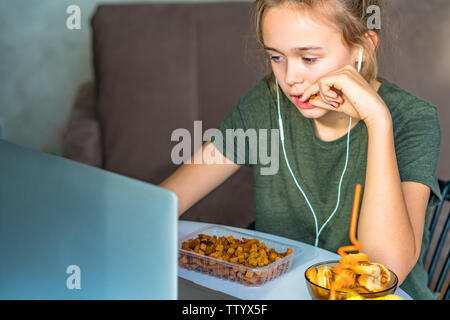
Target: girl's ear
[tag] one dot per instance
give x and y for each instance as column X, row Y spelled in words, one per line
column 371, row 44
column 372, row 38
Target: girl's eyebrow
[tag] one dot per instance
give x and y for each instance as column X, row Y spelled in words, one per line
column 296, row 49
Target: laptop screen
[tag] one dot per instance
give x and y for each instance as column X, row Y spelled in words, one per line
column 71, row 231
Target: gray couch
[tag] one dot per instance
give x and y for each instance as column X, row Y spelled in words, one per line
column 159, row 67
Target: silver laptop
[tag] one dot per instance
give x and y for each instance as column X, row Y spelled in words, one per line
column 71, row 231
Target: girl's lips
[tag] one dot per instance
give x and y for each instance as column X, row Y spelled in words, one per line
column 302, row 105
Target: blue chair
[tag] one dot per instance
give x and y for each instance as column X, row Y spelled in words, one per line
column 445, row 187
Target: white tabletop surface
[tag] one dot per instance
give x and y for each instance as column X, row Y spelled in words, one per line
column 289, row 286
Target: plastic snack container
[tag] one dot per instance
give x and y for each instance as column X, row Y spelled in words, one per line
column 232, row 271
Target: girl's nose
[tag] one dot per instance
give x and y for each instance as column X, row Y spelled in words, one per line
column 294, row 75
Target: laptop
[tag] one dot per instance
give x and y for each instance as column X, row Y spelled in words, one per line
column 72, row 231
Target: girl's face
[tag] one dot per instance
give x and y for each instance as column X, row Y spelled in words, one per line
column 302, row 51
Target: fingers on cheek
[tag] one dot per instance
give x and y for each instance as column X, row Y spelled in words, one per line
column 337, row 101
column 317, row 102
column 327, row 102
column 331, row 94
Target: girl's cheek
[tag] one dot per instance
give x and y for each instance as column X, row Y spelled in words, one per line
column 320, row 74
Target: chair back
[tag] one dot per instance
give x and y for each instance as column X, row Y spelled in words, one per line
column 437, row 252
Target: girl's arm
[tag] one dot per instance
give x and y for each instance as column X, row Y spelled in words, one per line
column 192, row 182
column 392, row 213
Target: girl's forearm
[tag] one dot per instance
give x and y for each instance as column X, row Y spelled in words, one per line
column 384, row 227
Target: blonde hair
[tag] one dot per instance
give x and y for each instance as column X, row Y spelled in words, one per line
column 349, row 16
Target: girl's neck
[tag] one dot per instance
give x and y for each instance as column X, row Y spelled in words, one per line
column 334, row 125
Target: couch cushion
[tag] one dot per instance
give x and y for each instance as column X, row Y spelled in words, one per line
column 159, row 67
column 82, row 140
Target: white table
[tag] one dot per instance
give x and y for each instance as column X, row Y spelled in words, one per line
column 289, row 286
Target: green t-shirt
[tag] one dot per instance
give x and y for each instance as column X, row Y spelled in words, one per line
column 281, row 209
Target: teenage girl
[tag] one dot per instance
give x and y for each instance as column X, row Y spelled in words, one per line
column 338, row 127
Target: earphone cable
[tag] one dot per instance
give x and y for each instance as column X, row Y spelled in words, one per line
column 282, row 138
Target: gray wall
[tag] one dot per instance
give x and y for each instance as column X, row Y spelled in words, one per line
column 42, row 65
column 416, row 56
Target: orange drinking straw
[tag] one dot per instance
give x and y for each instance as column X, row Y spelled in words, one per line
column 342, row 251
column 352, row 234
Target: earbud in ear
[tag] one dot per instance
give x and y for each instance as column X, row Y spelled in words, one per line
column 360, row 56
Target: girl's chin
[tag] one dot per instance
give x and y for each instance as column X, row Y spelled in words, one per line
column 313, row 113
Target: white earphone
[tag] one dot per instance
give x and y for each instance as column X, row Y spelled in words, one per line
column 316, row 242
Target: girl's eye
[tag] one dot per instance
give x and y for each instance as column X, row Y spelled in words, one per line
column 274, row 58
column 306, row 59
column 309, row 60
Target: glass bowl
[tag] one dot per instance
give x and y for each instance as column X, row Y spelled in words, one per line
column 320, row 293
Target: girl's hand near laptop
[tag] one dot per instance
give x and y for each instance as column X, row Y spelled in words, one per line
column 192, row 182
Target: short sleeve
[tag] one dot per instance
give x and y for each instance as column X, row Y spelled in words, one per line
column 232, row 138
column 417, row 145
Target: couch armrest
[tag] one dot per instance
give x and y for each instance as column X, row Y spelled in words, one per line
column 82, row 140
